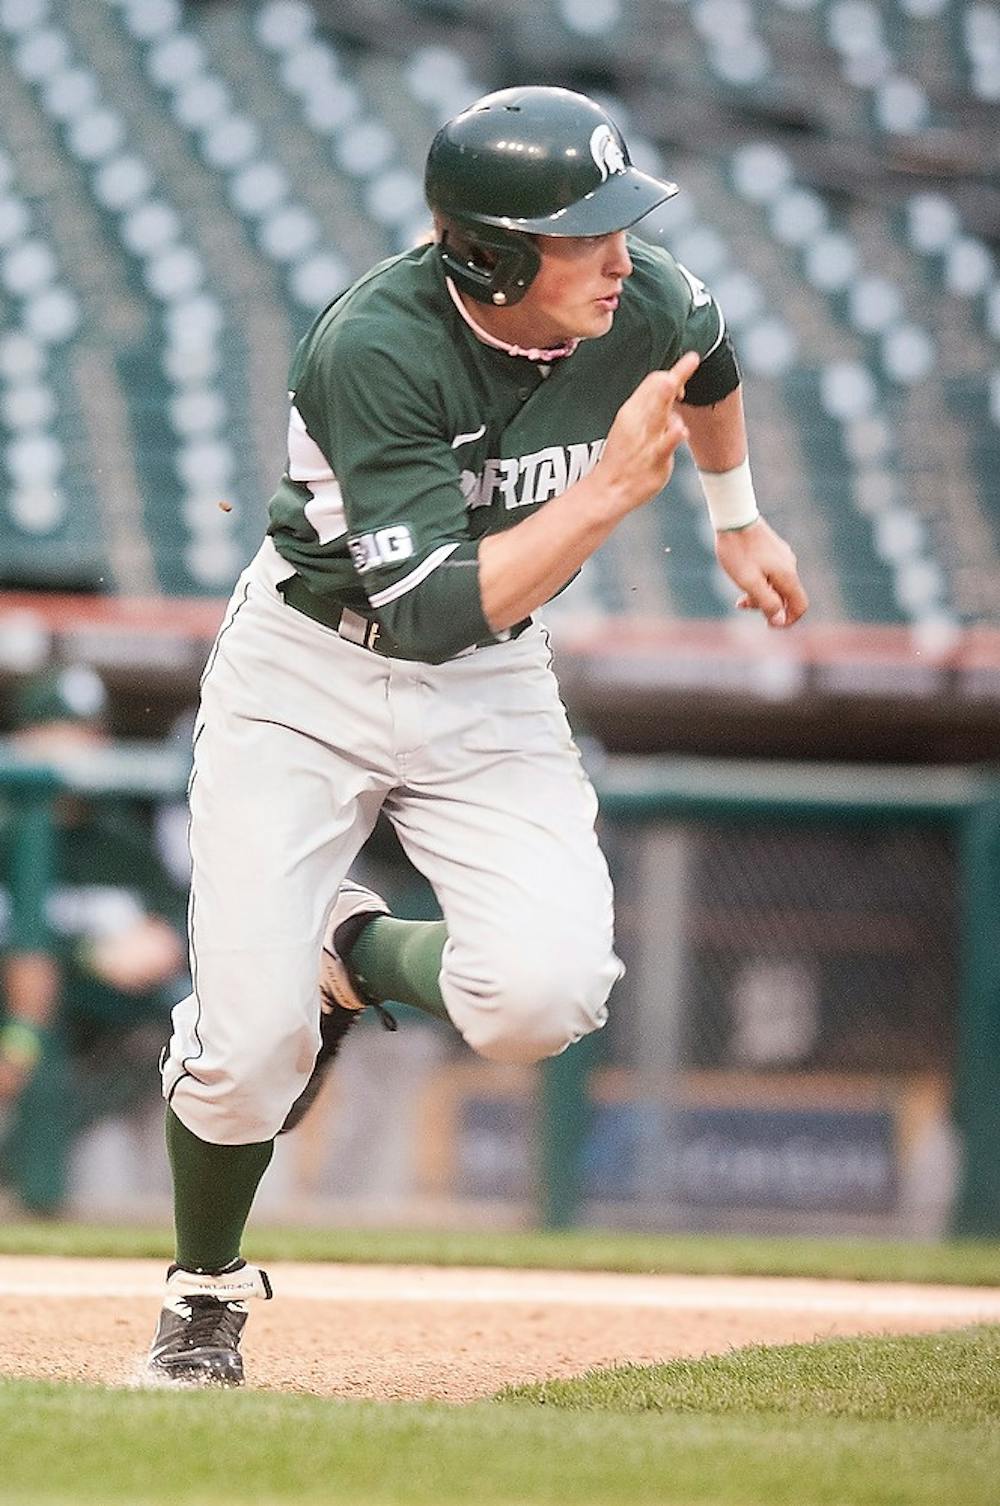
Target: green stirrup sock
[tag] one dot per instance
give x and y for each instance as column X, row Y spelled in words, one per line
column 214, row 1186
column 401, row 960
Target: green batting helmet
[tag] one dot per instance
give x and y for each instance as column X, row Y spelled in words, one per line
column 529, row 161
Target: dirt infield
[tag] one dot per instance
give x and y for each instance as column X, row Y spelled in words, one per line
column 411, row 1332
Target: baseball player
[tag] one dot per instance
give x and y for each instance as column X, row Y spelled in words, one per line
column 468, row 423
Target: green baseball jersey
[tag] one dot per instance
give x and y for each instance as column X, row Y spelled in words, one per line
column 410, row 439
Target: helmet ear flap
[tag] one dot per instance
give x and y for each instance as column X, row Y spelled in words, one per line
column 490, row 264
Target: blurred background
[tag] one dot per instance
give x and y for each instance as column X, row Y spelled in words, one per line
column 804, row 828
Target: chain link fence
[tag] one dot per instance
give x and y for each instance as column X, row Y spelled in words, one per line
column 782, row 1047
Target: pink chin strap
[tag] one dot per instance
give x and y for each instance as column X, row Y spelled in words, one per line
column 565, row 349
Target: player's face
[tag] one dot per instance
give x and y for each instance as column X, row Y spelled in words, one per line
column 576, row 290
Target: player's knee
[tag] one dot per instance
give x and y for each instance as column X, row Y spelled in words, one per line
column 246, row 1097
column 535, row 1007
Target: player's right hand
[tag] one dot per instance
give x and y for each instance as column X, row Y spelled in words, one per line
column 638, row 455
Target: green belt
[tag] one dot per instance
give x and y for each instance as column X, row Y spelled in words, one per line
column 354, row 626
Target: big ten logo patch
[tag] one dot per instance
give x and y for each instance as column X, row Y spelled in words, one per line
column 386, row 546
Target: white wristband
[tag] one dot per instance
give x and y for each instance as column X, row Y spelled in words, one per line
column 730, row 497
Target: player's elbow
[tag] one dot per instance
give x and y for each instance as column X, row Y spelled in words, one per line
column 441, row 614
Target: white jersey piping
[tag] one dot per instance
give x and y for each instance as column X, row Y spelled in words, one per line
column 425, row 568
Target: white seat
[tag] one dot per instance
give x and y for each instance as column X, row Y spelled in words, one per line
column 185, row 366
column 95, row 134
column 283, row 24
column 176, row 60
column 150, row 228
column 17, row 16
column 932, row 223
column 31, row 405
column 908, row 353
column 200, row 102
column 259, row 188
column 15, row 221
column 701, row 248
column 873, row 303
column 288, row 233
column 176, row 273
column 231, row 142
column 198, row 411
column 968, row 267
column 330, row 110
column 37, row 508
column 898, row 534
column 42, row 53
column 591, row 18
column 918, row 584
column 395, row 196
column 317, row 279
column 122, row 182
column 847, row 390
column 27, row 267
column 53, row 315
column 433, row 71
column 21, row 357
column 761, row 172
column 364, row 148
column 70, row 92
column 739, row 296
column 149, row 19
column 797, row 216
column 192, row 320
column 768, row 346
column 831, row 261
column 901, row 105
column 309, row 68
column 35, row 457
column 205, row 463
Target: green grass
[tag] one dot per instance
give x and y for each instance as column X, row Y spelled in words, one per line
column 889, row 1422
column 946, row 1377
column 855, row 1422
column 964, row 1262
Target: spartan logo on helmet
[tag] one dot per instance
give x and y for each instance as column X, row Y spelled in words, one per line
column 606, row 152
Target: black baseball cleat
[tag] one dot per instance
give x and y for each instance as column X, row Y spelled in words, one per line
column 342, row 993
column 197, row 1339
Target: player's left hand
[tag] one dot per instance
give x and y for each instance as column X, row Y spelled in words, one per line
column 763, row 566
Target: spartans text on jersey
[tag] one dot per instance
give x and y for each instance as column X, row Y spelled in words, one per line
column 524, row 480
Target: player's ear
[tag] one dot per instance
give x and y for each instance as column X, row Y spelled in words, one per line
column 466, row 247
